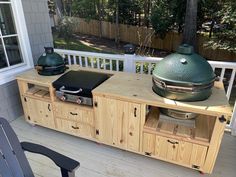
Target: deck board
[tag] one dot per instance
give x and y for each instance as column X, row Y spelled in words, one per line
column 104, row 161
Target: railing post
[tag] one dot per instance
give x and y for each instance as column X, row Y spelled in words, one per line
column 129, row 65
column 233, row 124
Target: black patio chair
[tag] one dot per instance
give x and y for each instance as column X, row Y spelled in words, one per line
column 13, row 162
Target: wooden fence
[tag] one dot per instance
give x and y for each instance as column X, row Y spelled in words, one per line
column 138, row 35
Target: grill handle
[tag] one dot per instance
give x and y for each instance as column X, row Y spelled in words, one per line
column 62, row 89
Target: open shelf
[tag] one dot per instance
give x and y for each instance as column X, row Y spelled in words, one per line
column 200, row 133
column 37, row 91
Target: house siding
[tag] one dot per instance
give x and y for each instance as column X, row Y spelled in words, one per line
column 10, row 104
column 40, row 35
column 38, row 26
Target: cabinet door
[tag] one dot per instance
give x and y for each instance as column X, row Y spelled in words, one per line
column 134, row 117
column 40, row 112
column 117, row 122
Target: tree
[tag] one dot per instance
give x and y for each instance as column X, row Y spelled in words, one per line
column 167, row 15
column 190, row 28
column 117, row 39
column 85, row 9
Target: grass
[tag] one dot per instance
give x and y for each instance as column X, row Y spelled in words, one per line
column 72, row 44
column 75, row 44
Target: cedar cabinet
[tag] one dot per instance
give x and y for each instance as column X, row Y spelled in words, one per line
column 117, row 122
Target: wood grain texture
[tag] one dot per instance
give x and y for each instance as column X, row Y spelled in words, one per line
column 119, row 118
column 118, row 122
column 74, row 112
column 40, row 112
column 214, row 147
column 138, row 88
column 149, row 142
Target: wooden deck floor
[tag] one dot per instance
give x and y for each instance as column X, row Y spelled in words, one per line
column 104, row 161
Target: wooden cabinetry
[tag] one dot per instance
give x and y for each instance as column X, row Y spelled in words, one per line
column 75, row 119
column 75, row 128
column 126, row 114
column 172, row 150
column 39, row 112
column 117, row 122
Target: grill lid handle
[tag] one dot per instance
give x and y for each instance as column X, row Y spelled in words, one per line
column 62, row 89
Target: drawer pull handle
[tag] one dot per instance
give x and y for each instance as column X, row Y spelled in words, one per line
column 49, row 107
column 135, row 112
column 75, row 127
column 172, row 142
column 73, row 114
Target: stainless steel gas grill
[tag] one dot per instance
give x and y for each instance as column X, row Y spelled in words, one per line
column 77, row 86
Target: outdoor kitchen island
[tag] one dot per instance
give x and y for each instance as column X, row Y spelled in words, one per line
column 125, row 114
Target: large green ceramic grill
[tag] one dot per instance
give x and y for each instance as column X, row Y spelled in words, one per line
column 50, row 63
column 184, row 76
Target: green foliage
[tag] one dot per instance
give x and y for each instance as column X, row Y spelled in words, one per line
column 128, row 11
column 162, row 18
column 66, row 27
column 85, row 9
column 224, row 15
column 164, row 15
column 167, row 15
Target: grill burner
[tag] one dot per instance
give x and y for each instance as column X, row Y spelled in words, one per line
column 77, row 86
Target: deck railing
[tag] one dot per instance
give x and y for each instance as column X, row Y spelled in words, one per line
column 225, row 71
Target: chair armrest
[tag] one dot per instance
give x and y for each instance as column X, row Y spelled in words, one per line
column 60, row 160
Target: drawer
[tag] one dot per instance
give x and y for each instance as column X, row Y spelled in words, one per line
column 181, row 152
column 166, row 148
column 75, row 128
column 75, row 112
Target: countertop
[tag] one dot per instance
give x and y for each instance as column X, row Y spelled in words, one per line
column 138, row 88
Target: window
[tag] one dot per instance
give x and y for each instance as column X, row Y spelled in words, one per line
column 10, row 53
column 15, row 50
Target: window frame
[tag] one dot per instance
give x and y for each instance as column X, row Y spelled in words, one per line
column 8, row 74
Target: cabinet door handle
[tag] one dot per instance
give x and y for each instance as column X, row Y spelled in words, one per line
column 49, row 107
column 74, row 127
column 135, row 112
column 73, row 114
column 172, row 142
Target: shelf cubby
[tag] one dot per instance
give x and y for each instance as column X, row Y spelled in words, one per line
column 37, row 91
column 200, row 133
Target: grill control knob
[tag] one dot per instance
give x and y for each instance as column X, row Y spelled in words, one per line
column 63, row 98
column 79, row 101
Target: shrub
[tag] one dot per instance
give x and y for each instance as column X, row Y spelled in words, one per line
column 67, row 26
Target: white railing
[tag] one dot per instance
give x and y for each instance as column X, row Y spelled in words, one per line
column 225, row 71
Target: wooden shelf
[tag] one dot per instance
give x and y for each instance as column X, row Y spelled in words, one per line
column 38, row 92
column 200, row 134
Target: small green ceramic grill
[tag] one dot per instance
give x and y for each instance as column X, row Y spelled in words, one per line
column 50, row 63
column 184, row 76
